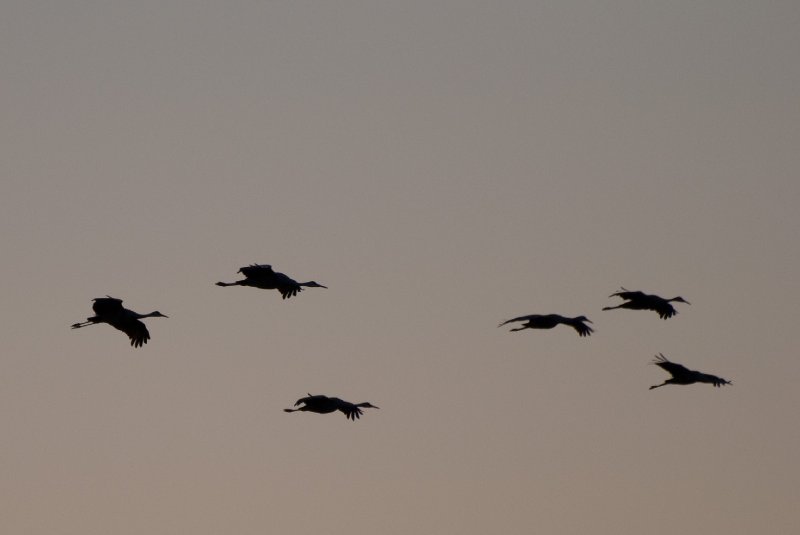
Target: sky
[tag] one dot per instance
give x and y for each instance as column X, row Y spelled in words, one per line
column 441, row 166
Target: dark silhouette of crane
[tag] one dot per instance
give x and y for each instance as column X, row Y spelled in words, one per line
column 643, row 301
column 110, row 310
column 548, row 321
column 681, row 375
column 325, row 405
column 262, row 276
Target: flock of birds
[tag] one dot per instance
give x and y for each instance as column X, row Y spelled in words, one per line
column 110, row 310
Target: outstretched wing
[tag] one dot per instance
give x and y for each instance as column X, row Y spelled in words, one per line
column 306, row 400
column 629, row 295
column 712, row 379
column 135, row 329
column 287, row 286
column 520, row 318
column 289, row 291
column 106, row 306
column 256, row 270
column 675, row 369
column 582, row 328
column 350, row 411
column 664, row 308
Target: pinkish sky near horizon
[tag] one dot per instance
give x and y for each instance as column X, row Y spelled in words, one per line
column 440, row 166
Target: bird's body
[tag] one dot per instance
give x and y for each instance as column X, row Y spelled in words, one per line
column 110, row 310
column 325, row 405
column 643, row 301
column 681, row 375
column 262, row 276
column 548, row 321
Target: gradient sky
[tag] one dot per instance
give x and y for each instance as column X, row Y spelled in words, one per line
column 441, row 166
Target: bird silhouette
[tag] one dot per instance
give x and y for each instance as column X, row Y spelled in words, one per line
column 262, row 276
column 325, row 405
column 548, row 321
column 643, row 301
column 110, row 310
column 681, row 375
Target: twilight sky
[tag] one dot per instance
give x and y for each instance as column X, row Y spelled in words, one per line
column 441, row 166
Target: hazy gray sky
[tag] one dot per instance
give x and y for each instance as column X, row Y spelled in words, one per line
column 441, row 166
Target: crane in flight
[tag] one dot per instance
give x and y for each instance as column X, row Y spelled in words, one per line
column 262, row 276
column 325, row 405
column 681, row 375
column 643, row 301
column 548, row 321
column 110, row 310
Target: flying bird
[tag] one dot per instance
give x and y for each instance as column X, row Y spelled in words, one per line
column 110, row 310
column 643, row 301
column 681, row 375
column 262, row 276
column 548, row 321
column 324, row 405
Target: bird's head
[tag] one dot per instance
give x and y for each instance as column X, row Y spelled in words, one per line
column 158, row 314
column 315, row 284
column 367, row 405
column 680, row 299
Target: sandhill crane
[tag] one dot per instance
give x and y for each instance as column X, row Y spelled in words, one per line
column 682, row 375
column 548, row 321
column 110, row 310
column 262, row 276
column 643, row 301
column 324, row 405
